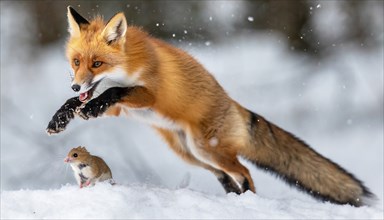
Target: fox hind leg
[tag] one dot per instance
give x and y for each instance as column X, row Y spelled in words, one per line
column 229, row 171
column 233, row 174
column 222, row 158
column 234, row 169
column 177, row 143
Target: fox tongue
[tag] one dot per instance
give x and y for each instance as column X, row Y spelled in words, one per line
column 83, row 96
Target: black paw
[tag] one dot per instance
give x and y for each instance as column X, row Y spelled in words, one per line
column 92, row 109
column 63, row 116
column 229, row 184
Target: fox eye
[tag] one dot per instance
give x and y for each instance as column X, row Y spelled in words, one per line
column 97, row 64
column 77, row 62
column 74, row 155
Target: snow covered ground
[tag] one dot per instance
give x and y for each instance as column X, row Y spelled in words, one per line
column 144, row 202
column 338, row 111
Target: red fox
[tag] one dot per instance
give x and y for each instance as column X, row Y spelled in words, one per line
column 121, row 70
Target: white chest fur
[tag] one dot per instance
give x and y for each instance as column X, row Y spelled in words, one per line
column 153, row 118
column 85, row 171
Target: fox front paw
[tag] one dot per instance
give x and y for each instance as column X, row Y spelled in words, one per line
column 92, row 109
column 59, row 121
column 63, row 116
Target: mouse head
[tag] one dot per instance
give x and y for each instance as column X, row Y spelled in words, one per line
column 77, row 154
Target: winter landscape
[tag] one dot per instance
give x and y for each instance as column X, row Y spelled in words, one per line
column 338, row 110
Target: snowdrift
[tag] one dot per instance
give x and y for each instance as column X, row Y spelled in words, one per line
column 146, row 202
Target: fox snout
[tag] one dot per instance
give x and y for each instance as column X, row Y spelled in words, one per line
column 82, row 80
column 85, row 89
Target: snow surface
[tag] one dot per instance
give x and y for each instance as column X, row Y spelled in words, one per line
column 338, row 111
column 144, row 202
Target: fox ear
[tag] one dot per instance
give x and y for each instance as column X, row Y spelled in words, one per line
column 75, row 20
column 115, row 29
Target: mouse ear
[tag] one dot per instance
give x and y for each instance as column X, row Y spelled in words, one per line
column 84, row 149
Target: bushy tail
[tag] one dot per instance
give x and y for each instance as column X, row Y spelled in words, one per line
column 295, row 162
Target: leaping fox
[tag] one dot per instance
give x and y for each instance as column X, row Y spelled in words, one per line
column 121, row 70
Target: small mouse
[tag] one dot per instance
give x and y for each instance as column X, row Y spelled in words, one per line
column 88, row 169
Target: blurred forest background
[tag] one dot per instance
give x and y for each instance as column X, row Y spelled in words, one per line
column 305, row 27
column 313, row 67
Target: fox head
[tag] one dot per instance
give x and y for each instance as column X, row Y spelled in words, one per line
column 96, row 53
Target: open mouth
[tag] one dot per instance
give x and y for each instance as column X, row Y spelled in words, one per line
column 84, row 96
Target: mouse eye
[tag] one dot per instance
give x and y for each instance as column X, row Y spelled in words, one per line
column 74, row 155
